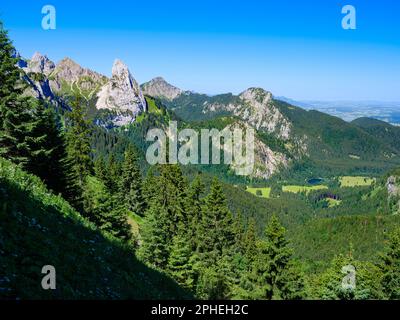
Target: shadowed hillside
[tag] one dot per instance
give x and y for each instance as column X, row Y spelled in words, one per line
column 89, row 264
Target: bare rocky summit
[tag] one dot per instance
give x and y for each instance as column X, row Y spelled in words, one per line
column 256, row 107
column 160, row 88
column 122, row 94
column 40, row 64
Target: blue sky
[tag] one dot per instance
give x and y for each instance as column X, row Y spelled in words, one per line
column 293, row 48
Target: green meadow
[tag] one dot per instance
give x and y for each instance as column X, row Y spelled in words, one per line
column 349, row 181
column 306, row 189
column 260, row 192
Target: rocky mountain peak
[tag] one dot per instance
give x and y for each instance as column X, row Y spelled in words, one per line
column 160, row 88
column 257, row 94
column 122, row 77
column 122, row 94
column 258, row 109
column 41, row 64
column 69, row 70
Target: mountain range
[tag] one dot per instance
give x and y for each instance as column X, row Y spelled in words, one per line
column 289, row 138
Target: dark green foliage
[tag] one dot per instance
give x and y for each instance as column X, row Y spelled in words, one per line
column 15, row 110
column 156, row 236
column 47, row 149
column 114, row 171
column 78, row 152
column 329, row 285
column 273, row 274
column 38, row 229
column 180, row 260
column 195, row 211
column 105, row 210
column 131, row 185
column 217, row 222
column 390, row 267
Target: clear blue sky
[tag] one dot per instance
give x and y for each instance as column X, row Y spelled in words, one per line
column 292, row 48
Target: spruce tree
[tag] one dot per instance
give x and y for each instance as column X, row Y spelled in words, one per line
column 390, row 267
column 217, row 224
column 174, row 195
column 272, row 263
column 195, row 210
column 105, row 210
column 78, row 152
column 113, row 174
column 131, row 184
column 167, row 210
column 100, row 169
column 47, row 152
column 15, row 109
column 179, row 263
column 155, row 237
column 249, row 241
column 329, row 284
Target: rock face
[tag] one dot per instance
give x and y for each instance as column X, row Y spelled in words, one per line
column 37, row 71
column 69, row 76
column 160, row 88
column 255, row 106
column 260, row 112
column 392, row 187
column 266, row 161
column 122, row 94
column 40, row 64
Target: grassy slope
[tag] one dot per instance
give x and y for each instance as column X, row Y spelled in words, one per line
column 38, row 228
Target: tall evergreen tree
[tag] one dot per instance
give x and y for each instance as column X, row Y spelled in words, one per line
column 78, row 151
column 217, row 223
column 272, row 262
column 131, row 184
column 100, row 169
column 105, row 210
column 390, row 267
column 15, row 109
column 249, row 241
column 47, row 151
column 114, row 171
column 180, row 263
column 155, row 236
column 195, row 211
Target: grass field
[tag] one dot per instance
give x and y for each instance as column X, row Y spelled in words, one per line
column 333, row 202
column 306, row 189
column 348, row 181
column 265, row 192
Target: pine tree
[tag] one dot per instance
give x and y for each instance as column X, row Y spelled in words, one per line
column 78, row 152
column 47, row 152
column 131, row 184
column 217, row 223
column 212, row 284
column 174, row 195
column 155, row 237
column 329, row 285
column 167, row 210
column 15, row 109
column 249, row 241
column 195, row 210
column 390, row 267
column 113, row 174
column 100, row 169
column 179, row 263
column 272, row 262
column 150, row 184
column 105, row 210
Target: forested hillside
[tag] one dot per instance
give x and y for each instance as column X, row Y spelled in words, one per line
column 38, row 228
